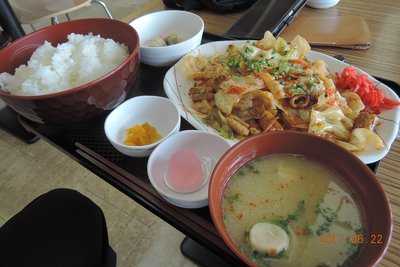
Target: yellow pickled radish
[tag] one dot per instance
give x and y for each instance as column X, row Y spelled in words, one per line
column 141, row 134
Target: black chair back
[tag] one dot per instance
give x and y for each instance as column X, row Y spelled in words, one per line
column 9, row 22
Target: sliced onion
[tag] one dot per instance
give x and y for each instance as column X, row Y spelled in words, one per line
column 300, row 101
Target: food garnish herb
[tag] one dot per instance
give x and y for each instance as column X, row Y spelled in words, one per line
column 233, row 198
column 283, row 67
column 309, row 230
column 280, row 254
column 261, row 258
column 299, row 210
column 329, row 215
column 252, row 64
column 284, row 223
column 258, row 65
column 297, row 89
column 252, row 169
column 248, row 50
column 233, row 62
column 351, row 248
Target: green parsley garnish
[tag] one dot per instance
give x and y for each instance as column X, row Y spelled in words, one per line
column 257, row 65
column 297, row 89
column 248, row 50
column 252, row 64
column 233, row 62
column 329, row 215
column 299, row 210
column 232, row 198
column 351, row 248
column 284, row 223
column 252, row 169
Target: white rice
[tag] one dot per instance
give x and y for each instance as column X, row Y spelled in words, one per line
column 51, row 69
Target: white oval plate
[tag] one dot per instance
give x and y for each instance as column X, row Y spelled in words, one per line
column 177, row 85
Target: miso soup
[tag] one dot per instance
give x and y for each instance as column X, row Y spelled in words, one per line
column 285, row 210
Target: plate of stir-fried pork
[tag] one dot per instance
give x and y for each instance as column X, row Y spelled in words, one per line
column 242, row 88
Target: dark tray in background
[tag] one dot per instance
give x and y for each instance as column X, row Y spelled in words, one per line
column 88, row 144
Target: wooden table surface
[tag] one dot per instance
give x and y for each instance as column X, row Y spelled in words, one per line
column 381, row 59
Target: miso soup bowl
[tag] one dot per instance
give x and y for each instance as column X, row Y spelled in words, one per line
column 357, row 177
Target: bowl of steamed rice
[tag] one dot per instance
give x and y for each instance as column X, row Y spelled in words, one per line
column 70, row 72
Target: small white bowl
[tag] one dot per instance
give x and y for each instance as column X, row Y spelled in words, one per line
column 188, row 26
column 206, row 145
column 160, row 112
column 322, row 4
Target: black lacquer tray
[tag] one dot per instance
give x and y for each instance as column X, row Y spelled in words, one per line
column 87, row 143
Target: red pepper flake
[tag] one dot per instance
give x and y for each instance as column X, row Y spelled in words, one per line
column 300, row 62
column 236, row 90
column 240, row 216
column 301, row 231
column 283, row 186
column 272, row 253
column 330, row 91
column 369, row 92
column 252, row 204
